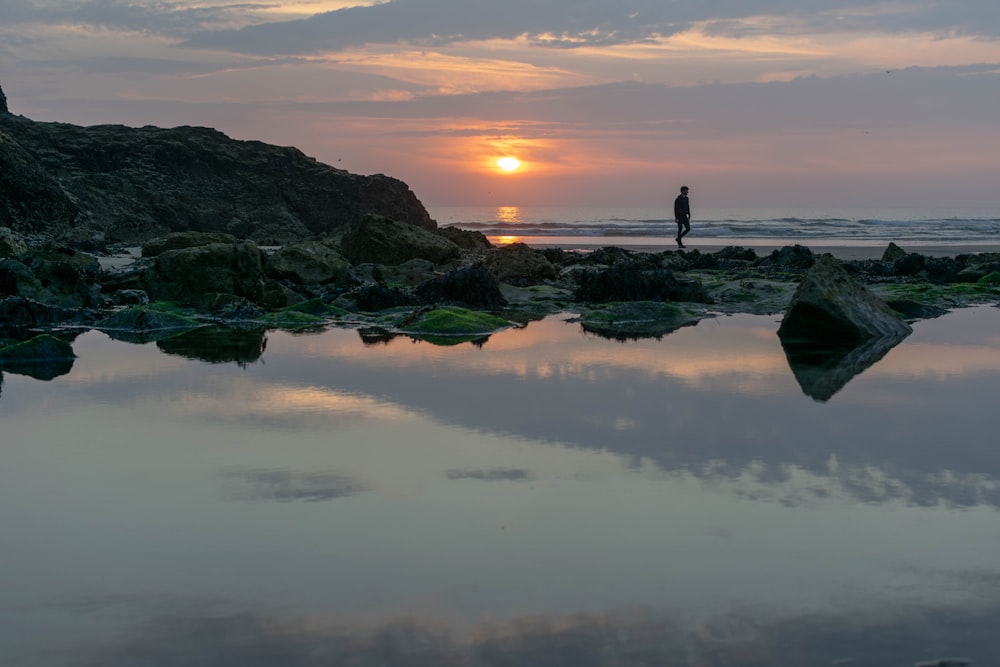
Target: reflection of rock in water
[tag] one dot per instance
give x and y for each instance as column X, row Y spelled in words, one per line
column 822, row 368
column 375, row 335
column 40, row 370
column 217, row 345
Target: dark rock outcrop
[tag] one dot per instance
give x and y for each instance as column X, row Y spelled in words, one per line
column 829, row 305
column 129, row 184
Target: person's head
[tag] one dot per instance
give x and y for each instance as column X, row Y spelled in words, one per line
column 684, row 189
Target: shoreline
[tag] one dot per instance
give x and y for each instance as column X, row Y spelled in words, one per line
column 845, row 249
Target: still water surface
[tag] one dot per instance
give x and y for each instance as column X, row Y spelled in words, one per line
column 546, row 498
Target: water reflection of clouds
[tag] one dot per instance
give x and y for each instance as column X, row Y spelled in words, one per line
column 288, row 406
column 547, row 349
column 287, row 485
column 877, row 636
column 491, row 474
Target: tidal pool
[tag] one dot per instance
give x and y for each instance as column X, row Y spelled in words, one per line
column 544, row 497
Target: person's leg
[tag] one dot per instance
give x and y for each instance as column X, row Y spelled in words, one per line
column 686, row 228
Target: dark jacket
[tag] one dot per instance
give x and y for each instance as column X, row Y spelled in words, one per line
column 682, row 208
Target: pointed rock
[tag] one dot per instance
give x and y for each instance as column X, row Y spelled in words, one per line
column 829, row 305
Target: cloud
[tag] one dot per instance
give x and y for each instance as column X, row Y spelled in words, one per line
column 564, row 24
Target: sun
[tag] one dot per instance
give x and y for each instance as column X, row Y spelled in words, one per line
column 509, row 164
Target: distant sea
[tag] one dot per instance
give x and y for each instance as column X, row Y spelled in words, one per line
column 721, row 227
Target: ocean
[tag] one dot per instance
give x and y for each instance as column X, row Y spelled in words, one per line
column 722, row 227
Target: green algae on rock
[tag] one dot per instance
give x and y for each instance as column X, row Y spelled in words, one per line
column 455, row 321
column 628, row 320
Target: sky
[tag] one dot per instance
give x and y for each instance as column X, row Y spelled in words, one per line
column 758, row 103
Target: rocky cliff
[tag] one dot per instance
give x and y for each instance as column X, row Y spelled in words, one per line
column 122, row 184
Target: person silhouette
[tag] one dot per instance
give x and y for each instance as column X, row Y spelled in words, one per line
column 682, row 215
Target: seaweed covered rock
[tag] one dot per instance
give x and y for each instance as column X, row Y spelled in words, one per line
column 789, row 259
column 179, row 240
column 67, row 277
column 381, row 240
column 227, row 268
column 373, row 297
column 518, row 264
column 43, row 347
column 11, row 244
column 632, row 282
column 829, row 305
column 144, row 319
column 309, row 263
column 17, row 312
column 466, row 239
column 53, row 275
column 472, row 286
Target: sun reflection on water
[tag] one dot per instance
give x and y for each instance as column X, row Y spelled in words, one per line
column 509, row 214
